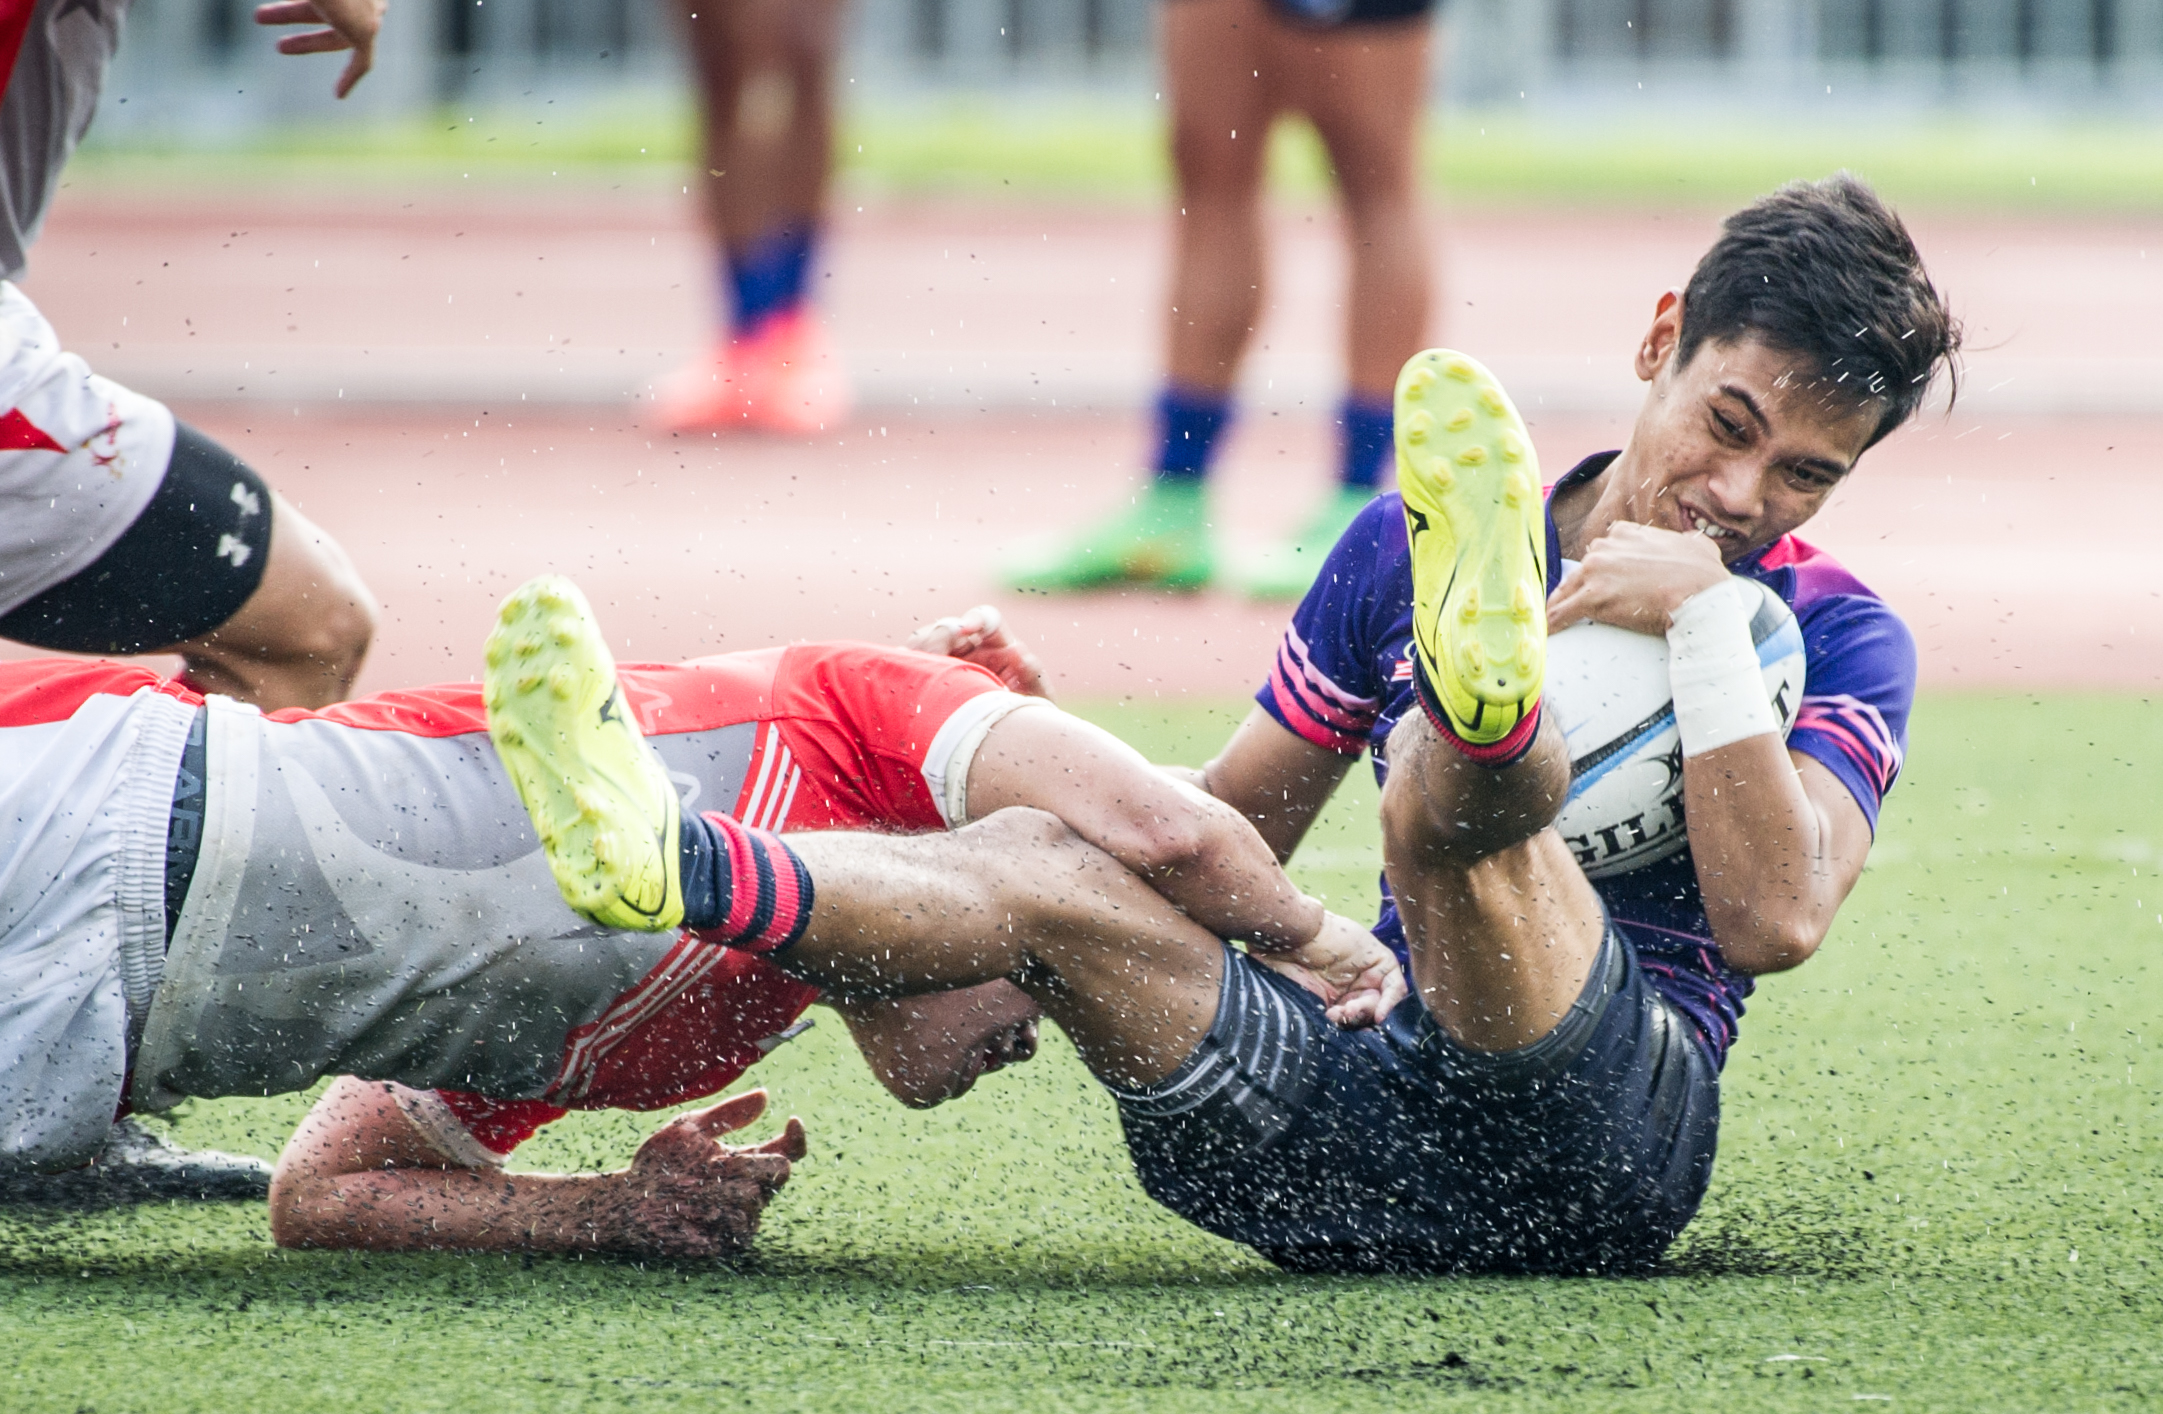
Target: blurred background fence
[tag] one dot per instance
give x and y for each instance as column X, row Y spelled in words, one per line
column 199, row 68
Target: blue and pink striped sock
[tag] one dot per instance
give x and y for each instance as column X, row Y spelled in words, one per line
column 742, row 888
column 1495, row 755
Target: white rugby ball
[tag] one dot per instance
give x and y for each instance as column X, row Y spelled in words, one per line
column 1608, row 689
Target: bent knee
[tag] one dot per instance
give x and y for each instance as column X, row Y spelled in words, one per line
column 1022, row 829
column 345, row 629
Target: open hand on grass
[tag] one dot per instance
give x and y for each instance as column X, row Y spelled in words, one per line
column 687, row 1194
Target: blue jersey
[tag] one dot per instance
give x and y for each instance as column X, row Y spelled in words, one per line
column 1343, row 679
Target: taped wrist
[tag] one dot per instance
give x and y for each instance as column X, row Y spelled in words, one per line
column 742, row 888
column 1713, row 672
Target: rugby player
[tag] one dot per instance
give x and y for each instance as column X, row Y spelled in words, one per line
column 765, row 71
column 202, row 900
column 1360, row 72
column 1550, row 1100
column 127, row 531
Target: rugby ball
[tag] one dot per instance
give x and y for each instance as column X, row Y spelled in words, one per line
column 1608, row 689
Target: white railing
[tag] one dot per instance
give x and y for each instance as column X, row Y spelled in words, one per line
column 198, row 67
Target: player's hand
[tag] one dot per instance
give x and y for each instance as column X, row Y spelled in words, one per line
column 688, row 1195
column 1635, row 577
column 1356, row 977
column 348, row 24
column 980, row 637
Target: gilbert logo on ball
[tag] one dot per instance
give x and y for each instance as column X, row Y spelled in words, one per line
column 1608, row 688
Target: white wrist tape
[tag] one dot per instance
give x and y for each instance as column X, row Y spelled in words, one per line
column 1712, row 669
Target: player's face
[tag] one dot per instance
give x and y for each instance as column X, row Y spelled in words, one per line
column 1742, row 444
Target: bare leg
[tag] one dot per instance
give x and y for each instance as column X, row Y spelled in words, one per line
column 1221, row 111
column 1503, row 925
column 765, row 70
column 300, row 638
column 1130, row 980
column 1363, row 87
column 1232, row 66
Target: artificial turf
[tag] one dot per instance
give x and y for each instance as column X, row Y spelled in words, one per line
column 1939, row 1187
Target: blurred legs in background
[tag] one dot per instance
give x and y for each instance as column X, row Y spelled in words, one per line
column 765, row 73
column 1232, row 67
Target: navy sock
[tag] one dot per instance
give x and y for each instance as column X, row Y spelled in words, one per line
column 1368, row 425
column 766, row 278
column 1188, row 424
column 742, row 888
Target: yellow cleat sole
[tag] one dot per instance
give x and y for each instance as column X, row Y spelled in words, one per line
column 600, row 801
column 1471, row 486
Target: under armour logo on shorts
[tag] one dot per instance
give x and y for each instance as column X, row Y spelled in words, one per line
column 250, row 505
column 232, row 547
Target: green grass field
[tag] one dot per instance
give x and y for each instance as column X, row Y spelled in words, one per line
column 1108, row 149
column 1939, row 1186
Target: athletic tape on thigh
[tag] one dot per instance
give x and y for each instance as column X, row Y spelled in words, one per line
column 954, row 748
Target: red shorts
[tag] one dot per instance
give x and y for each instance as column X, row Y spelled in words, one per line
column 691, row 1026
column 840, row 739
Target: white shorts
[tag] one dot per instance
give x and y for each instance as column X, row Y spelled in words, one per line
column 86, row 788
column 80, row 456
column 371, row 902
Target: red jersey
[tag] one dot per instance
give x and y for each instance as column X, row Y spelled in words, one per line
column 816, row 737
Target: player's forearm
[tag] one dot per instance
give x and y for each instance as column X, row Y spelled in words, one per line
column 1229, row 881
column 1762, row 852
column 410, row 1210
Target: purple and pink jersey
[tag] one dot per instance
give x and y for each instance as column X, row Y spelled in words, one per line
column 1343, row 679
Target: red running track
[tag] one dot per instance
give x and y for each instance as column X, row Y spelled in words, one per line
column 2014, row 535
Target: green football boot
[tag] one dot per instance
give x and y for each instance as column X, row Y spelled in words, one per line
column 603, row 806
column 1286, row 569
column 1471, row 486
column 1163, row 539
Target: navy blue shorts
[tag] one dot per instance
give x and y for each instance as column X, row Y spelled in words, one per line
column 1397, row 1150
column 1336, row 14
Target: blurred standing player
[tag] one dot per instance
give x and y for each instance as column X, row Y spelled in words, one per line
column 1357, row 70
column 765, row 73
column 123, row 530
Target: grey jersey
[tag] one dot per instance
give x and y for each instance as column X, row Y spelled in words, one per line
column 51, row 96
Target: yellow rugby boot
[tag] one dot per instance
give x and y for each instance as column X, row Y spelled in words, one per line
column 1471, row 486
column 600, row 800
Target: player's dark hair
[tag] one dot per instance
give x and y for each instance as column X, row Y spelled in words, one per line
column 1825, row 271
